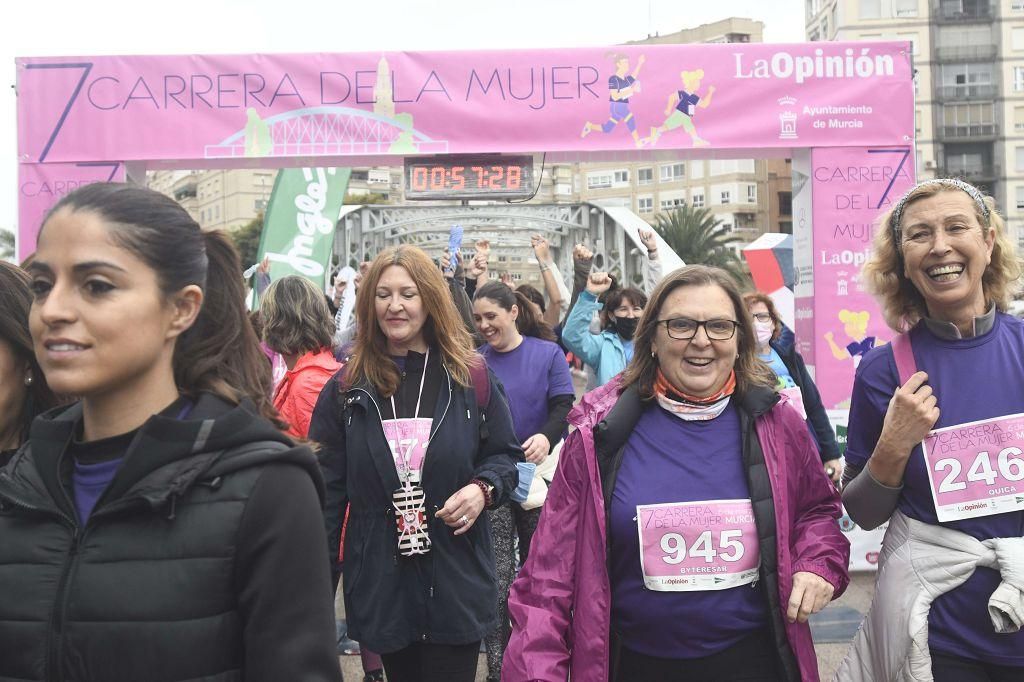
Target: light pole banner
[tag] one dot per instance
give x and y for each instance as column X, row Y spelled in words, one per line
column 223, row 109
column 298, row 230
column 851, row 189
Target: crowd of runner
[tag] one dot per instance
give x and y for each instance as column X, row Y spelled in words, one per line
column 188, row 488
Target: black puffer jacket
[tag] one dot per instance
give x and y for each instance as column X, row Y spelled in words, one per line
column 449, row 595
column 203, row 560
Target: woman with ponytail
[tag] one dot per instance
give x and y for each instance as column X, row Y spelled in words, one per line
column 521, row 351
column 144, row 535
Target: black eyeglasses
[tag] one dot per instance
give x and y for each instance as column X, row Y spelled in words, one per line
column 762, row 317
column 683, row 328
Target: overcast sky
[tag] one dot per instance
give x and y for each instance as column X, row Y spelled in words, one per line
column 104, row 27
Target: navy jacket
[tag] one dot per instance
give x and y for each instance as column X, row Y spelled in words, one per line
column 818, row 421
column 449, row 595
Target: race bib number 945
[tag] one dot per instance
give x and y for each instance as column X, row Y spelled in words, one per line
column 976, row 469
column 693, row 546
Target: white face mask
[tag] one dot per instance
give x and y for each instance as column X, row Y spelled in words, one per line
column 764, row 331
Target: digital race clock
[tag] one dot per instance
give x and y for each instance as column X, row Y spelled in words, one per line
column 469, row 177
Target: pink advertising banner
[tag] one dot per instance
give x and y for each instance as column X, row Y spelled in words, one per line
column 40, row 186
column 850, row 189
column 232, row 109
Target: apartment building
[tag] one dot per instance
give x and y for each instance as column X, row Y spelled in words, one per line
column 969, row 85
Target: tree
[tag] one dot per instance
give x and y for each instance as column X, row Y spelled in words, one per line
column 247, row 240
column 6, row 244
column 697, row 236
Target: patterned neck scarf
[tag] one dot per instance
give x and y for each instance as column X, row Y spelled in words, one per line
column 692, row 408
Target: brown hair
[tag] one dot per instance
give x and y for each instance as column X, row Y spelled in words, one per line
column 295, row 317
column 443, row 329
column 219, row 353
column 902, row 304
column 752, row 297
column 643, row 370
column 15, row 301
column 527, row 321
column 614, row 298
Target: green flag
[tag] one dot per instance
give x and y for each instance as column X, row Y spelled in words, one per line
column 298, row 231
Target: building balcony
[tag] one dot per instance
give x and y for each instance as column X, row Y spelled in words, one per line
column 969, row 131
column 951, row 13
column 969, row 173
column 954, row 93
column 964, row 53
column 185, row 191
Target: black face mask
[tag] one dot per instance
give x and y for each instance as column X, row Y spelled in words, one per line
column 626, row 326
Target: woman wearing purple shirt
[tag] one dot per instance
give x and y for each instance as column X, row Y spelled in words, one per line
column 942, row 269
column 689, row 531
column 521, row 352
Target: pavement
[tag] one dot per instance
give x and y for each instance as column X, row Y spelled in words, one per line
column 833, row 629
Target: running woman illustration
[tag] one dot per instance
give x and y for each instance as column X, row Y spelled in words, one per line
column 681, row 107
column 620, row 88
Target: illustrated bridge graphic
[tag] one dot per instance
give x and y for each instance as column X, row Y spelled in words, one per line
column 326, row 130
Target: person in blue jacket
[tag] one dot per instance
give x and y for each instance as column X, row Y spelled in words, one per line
column 610, row 351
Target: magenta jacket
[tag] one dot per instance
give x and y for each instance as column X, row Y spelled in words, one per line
column 561, row 603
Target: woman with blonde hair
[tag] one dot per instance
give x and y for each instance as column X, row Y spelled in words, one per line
column 417, row 441
column 943, row 270
column 298, row 325
column 689, row 531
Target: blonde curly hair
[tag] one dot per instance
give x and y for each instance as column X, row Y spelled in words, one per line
column 902, row 304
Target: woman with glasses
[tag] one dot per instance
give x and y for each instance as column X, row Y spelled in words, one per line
column 933, row 450
column 794, row 381
column 689, row 532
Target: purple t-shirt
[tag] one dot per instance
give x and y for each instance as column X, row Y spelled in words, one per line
column 671, row 460
column 532, row 373
column 973, row 379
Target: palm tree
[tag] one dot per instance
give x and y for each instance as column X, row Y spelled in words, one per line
column 6, row 244
column 697, row 236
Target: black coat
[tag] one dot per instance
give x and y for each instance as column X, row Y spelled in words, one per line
column 203, row 559
column 449, row 595
column 817, row 419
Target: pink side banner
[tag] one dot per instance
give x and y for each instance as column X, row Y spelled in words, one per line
column 41, row 185
column 183, row 109
column 851, row 189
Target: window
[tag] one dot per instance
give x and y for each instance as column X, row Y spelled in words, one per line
column 726, row 196
column 870, row 9
column 1020, row 197
column 216, row 212
column 698, row 199
column 602, row 180
column 1018, row 119
column 621, row 176
column 751, row 194
column 1017, row 38
column 644, row 176
column 1018, row 78
column 260, row 205
column 904, row 8
column 669, row 204
column 645, row 204
column 676, row 171
column 1019, row 152
column 1017, row 5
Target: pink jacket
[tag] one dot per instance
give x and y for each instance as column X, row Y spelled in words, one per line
column 295, row 397
column 561, row 603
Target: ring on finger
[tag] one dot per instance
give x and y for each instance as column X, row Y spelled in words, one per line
column 464, row 520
